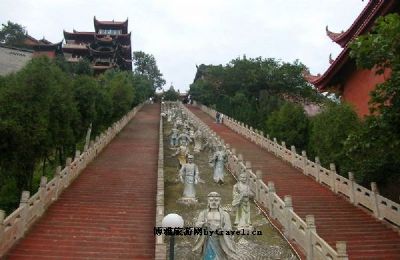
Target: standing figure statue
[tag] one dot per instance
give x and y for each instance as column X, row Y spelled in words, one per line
column 182, row 152
column 215, row 246
column 184, row 139
column 241, row 202
column 189, row 176
column 218, row 161
column 198, row 136
column 174, row 138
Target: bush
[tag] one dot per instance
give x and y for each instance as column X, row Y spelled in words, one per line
column 328, row 132
column 289, row 124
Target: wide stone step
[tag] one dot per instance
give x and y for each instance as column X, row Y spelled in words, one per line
column 108, row 212
column 336, row 218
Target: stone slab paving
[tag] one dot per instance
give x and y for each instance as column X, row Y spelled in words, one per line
column 108, row 212
column 336, row 219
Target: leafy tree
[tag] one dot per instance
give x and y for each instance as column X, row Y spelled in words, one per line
column 12, row 34
column 375, row 148
column 24, row 121
column 143, row 88
column 146, row 65
column 289, row 124
column 121, row 91
column 171, row 94
column 328, row 133
column 251, row 88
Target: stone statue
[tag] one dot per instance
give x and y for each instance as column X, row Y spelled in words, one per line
column 215, row 246
column 184, row 139
column 174, row 137
column 189, row 176
column 198, row 136
column 218, row 160
column 182, row 152
column 241, row 202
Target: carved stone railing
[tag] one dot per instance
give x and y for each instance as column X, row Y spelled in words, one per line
column 381, row 207
column 160, row 246
column 31, row 208
column 294, row 228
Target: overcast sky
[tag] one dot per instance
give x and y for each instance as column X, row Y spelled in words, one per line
column 183, row 33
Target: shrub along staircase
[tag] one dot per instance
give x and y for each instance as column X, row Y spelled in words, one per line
column 107, row 212
column 342, row 209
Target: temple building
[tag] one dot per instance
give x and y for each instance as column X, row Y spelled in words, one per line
column 343, row 77
column 109, row 46
column 13, row 58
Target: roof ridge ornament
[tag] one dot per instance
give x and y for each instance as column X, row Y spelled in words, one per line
column 310, row 77
column 333, row 35
column 330, row 58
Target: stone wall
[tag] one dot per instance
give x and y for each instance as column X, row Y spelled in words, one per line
column 12, row 59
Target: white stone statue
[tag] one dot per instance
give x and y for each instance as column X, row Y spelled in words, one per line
column 182, row 152
column 241, row 202
column 218, row 161
column 184, row 139
column 174, row 137
column 189, row 176
column 198, row 137
column 215, row 246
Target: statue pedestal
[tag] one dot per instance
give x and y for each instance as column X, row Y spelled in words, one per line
column 187, row 201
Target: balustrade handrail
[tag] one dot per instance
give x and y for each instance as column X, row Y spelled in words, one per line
column 31, row 208
column 303, row 233
column 160, row 247
column 381, row 207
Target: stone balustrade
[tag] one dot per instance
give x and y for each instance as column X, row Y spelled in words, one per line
column 31, row 208
column 160, row 247
column 381, row 207
column 295, row 229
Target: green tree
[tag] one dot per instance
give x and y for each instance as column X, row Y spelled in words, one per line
column 120, row 88
column 289, row 124
column 25, row 115
column 375, row 148
column 143, row 88
column 171, row 94
column 145, row 64
column 328, row 133
column 12, row 34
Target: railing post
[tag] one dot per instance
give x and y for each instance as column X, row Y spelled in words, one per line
column 333, row 177
column 67, row 177
column 304, row 157
column 57, row 176
column 271, row 197
column 239, row 165
column 275, row 149
column 2, row 218
column 42, row 195
column 310, row 222
column 24, row 213
column 341, row 249
column 288, row 215
column 294, row 153
column 77, row 154
column 317, row 169
column 374, row 200
column 259, row 175
column 352, row 196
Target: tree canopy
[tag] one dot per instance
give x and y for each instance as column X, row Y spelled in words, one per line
column 12, row 34
column 375, row 148
column 146, row 65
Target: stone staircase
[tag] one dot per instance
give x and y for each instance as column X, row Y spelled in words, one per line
column 336, row 219
column 108, row 212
